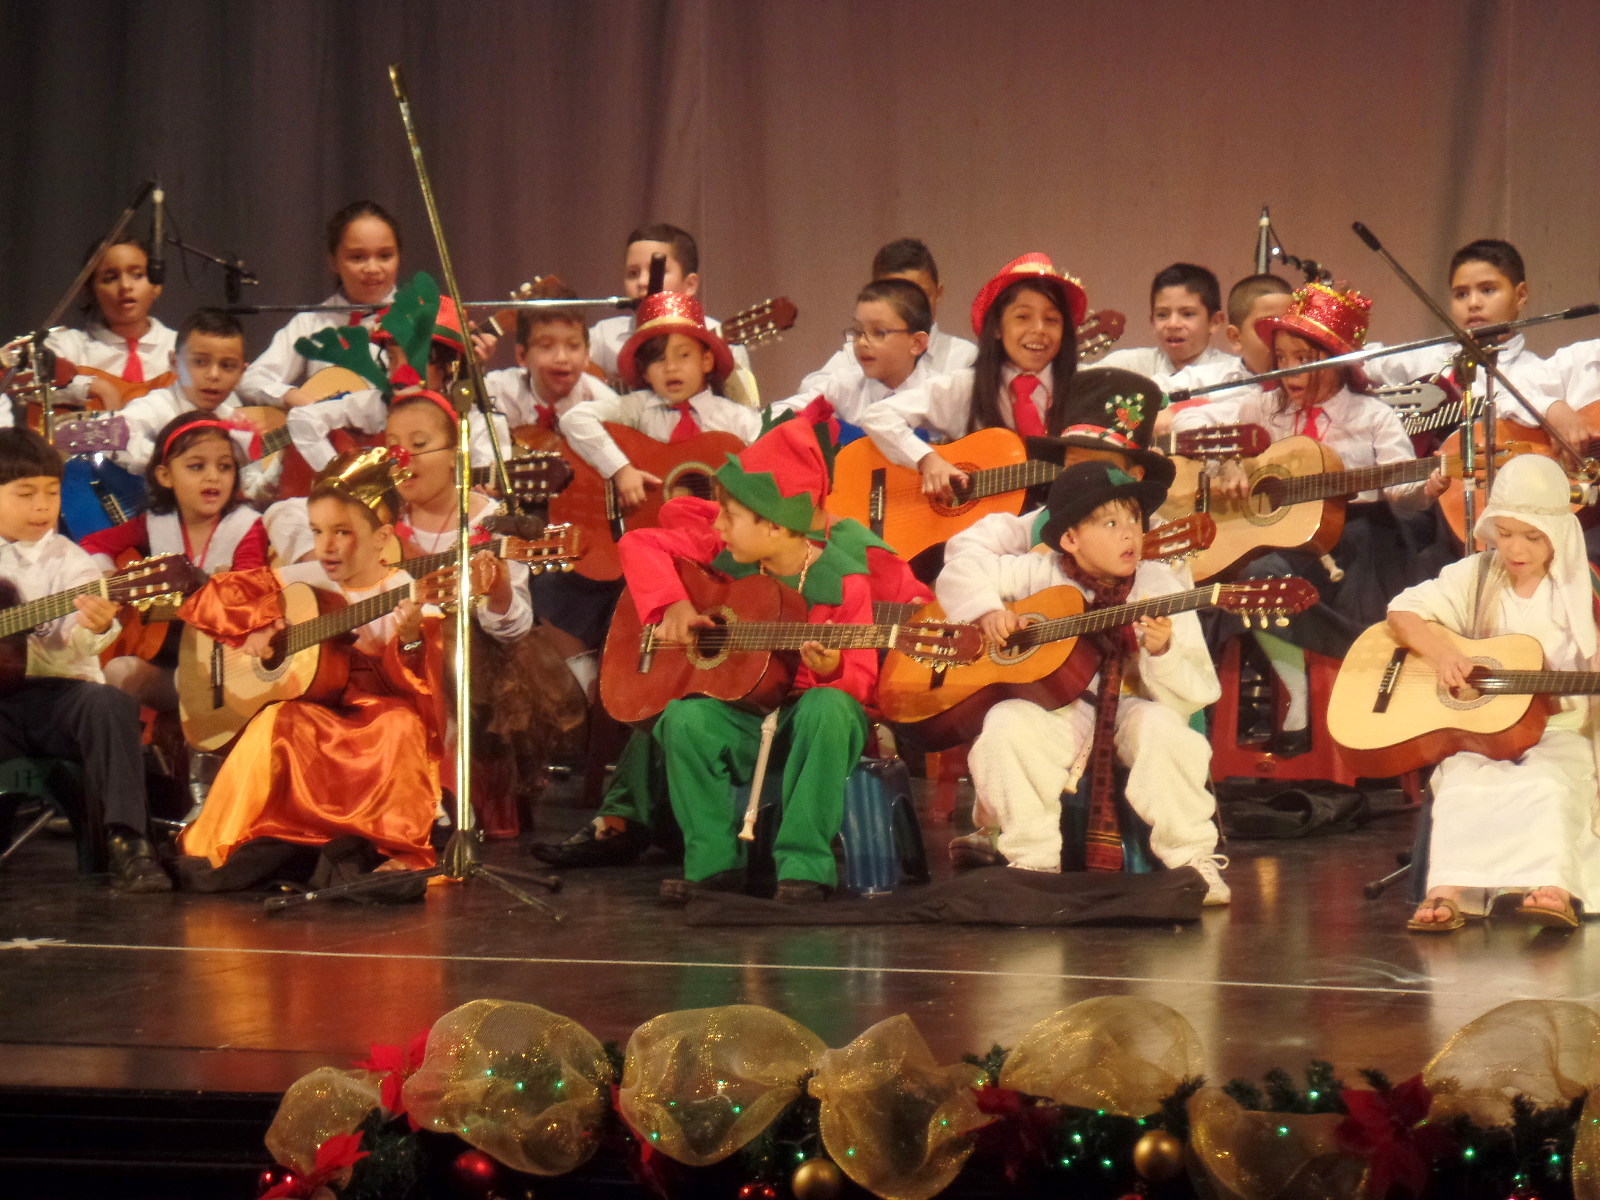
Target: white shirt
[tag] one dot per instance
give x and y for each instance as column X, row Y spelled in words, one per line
column 63, row 648
column 583, row 424
column 511, row 392
column 1578, row 368
column 1211, row 366
column 518, row 618
column 368, row 412
column 96, row 346
column 149, row 414
column 607, row 338
column 1529, row 374
column 281, row 367
column 851, row 394
column 983, row 569
column 945, row 353
column 942, row 406
column 1363, row 431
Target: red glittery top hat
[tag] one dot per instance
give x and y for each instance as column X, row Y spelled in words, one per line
column 1036, row 268
column 672, row 312
column 1325, row 316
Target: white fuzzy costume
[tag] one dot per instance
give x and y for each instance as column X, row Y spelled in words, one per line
column 1026, row 755
column 1528, row 822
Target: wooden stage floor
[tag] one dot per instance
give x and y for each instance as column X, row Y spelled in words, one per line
column 209, row 993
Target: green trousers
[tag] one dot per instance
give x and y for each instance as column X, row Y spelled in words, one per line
column 636, row 790
column 710, row 746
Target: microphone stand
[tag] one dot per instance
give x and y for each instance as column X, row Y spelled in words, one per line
column 235, row 274
column 250, row 310
column 461, row 859
column 43, row 331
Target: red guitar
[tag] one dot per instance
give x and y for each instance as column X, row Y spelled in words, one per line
column 889, row 500
column 750, row 656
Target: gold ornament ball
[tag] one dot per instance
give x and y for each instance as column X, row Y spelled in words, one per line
column 816, row 1179
column 1158, row 1156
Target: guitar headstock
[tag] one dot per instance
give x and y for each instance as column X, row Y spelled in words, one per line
column 166, row 579
column 938, row 643
column 760, row 323
column 538, row 475
column 1181, row 538
column 1412, row 398
column 557, row 550
column 1099, row 333
column 1268, row 600
column 83, row 433
column 1222, row 441
column 1453, row 466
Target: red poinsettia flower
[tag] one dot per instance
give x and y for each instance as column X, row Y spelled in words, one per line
column 397, row 1066
column 338, row 1153
column 1019, row 1133
column 1385, row 1129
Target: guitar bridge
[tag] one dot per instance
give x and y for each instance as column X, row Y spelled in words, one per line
column 647, row 649
column 877, row 501
column 1391, row 680
column 216, row 674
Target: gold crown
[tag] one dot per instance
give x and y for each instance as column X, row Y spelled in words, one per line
column 366, row 476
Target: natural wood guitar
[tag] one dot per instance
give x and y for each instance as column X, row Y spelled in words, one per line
column 750, row 655
column 220, row 687
column 1298, row 492
column 889, row 500
column 1389, row 714
column 1048, row 661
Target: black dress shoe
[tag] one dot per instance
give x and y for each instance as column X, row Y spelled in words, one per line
column 1290, row 743
column 134, row 869
column 675, row 893
column 591, row 847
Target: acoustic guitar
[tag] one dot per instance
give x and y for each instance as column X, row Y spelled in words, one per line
column 1048, row 661
column 889, row 500
column 750, row 656
column 1298, row 490
column 163, row 580
column 220, row 687
column 1389, row 714
column 1530, row 440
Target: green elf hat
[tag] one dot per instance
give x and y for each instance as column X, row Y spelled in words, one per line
column 782, row 476
column 418, row 317
column 820, row 416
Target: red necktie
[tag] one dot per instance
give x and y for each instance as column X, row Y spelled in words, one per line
column 1024, row 413
column 686, row 427
column 133, row 372
column 545, row 414
column 1315, row 421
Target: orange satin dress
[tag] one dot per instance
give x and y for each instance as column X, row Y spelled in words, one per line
column 307, row 772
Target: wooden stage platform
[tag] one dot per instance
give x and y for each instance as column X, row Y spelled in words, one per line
column 187, row 995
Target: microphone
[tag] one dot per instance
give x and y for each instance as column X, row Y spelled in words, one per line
column 658, row 274
column 1263, row 242
column 157, row 271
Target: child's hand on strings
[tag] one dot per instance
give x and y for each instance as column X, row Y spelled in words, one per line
column 631, row 483
column 939, row 478
column 1155, row 635
column 822, row 661
column 1231, row 481
column 999, row 625
column 95, row 613
column 408, row 627
column 679, row 621
column 491, row 578
column 1436, row 485
column 259, row 643
column 1453, row 668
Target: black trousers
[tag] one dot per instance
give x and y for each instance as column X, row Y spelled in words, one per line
column 91, row 723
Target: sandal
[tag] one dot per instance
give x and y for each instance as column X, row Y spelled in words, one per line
column 1451, row 924
column 1565, row 917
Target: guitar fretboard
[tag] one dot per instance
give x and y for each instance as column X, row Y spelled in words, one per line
column 1061, row 628
column 305, row 634
column 1304, row 488
column 791, row 635
column 1524, row 683
column 32, row 613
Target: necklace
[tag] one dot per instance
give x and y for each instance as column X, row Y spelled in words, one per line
column 800, row 584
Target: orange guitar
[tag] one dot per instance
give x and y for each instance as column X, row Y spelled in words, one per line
column 1046, row 661
column 1528, row 439
column 749, row 657
column 889, row 500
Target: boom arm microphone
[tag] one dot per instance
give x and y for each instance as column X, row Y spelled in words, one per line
column 1264, row 242
column 658, row 274
column 157, row 270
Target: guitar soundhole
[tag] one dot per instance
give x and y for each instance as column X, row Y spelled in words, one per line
column 689, row 479
column 1258, row 509
column 712, row 646
column 942, row 509
column 1010, row 656
column 1471, row 698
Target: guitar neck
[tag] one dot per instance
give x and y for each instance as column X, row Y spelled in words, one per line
column 791, row 635
column 274, row 440
column 1099, row 619
column 886, row 613
column 1304, row 488
column 1527, row 683
column 1013, row 477
column 426, row 564
column 26, row 616
column 305, row 634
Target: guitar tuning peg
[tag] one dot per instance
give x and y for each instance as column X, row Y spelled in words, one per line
column 535, row 568
column 1281, row 621
column 568, row 565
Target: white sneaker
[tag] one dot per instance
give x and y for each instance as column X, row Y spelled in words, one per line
column 976, row 849
column 1210, row 867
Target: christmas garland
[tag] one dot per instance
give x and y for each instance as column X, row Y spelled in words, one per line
column 478, row 1108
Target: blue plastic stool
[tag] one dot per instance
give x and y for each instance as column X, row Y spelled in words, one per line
column 880, row 835
column 1136, row 856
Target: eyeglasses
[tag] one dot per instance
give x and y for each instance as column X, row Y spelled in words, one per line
column 872, row 337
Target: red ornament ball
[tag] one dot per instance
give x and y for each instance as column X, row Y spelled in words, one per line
column 475, row 1173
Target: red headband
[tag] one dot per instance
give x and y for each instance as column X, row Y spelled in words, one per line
column 227, row 427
